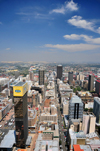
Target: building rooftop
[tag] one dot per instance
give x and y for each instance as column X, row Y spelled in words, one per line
column 97, row 99
column 91, row 135
column 77, row 148
column 53, row 145
column 75, row 99
column 20, row 84
column 85, row 147
column 8, row 140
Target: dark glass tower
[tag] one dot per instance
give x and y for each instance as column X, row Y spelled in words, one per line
column 21, row 113
column 59, row 71
column 70, row 77
column 91, row 83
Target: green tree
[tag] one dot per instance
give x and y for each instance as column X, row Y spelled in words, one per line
column 90, row 110
column 74, row 90
column 78, row 88
column 86, row 109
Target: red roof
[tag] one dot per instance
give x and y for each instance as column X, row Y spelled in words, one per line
column 36, row 108
column 98, row 81
column 77, row 148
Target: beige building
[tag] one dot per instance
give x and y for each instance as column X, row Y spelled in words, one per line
column 80, row 77
column 89, row 120
column 32, row 117
column 53, row 110
column 66, row 107
column 48, row 117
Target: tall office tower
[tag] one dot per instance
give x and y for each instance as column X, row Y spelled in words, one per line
column 96, row 109
column 89, row 120
column 59, row 71
column 97, row 86
column 17, row 74
column 91, row 83
column 41, row 77
column 31, row 75
column 21, row 113
column 75, row 108
column 70, row 77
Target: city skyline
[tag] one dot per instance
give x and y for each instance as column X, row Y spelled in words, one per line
column 52, row 31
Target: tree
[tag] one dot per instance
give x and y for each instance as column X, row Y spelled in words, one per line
column 90, row 110
column 86, row 109
column 78, row 88
column 74, row 90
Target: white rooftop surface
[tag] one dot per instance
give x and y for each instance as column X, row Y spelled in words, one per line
column 8, row 140
column 93, row 142
column 75, row 99
column 91, row 135
column 85, row 147
column 53, row 145
column 74, row 135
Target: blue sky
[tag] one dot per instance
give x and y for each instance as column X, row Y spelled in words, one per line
column 50, row 30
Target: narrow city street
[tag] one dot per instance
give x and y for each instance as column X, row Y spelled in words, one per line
column 61, row 134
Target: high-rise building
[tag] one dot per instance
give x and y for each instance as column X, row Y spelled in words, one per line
column 70, row 77
column 97, row 86
column 41, row 77
column 89, row 120
column 21, row 113
column 59, row 71
column 96, row 109
column 75, row 108
column 91, row 83
column 17, row 74
column 31, row 76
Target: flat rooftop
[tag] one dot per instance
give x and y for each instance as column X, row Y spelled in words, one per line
column 53, row 145
column 8, row 140
column 20, row 84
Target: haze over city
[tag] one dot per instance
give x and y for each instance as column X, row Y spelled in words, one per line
column 50, row 30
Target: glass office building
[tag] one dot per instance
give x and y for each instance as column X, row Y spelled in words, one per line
column 21, row 114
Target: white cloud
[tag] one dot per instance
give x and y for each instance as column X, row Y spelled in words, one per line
column 74, row 47
column 7, row 49
column 72, row 37
column 59, row 10
column 81, row 23
column 86, row 38
column 72, row 6
column 0, row 23
column 68, row 6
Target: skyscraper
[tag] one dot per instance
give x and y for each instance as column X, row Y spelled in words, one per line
column 21, row 113
column 75, row 108
column 59, row 71
column 17, row 74
column 70, row 77
column 41, row 77
column 97, row 86
column 96, row 109
column 31, row 75
column 91, row 83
